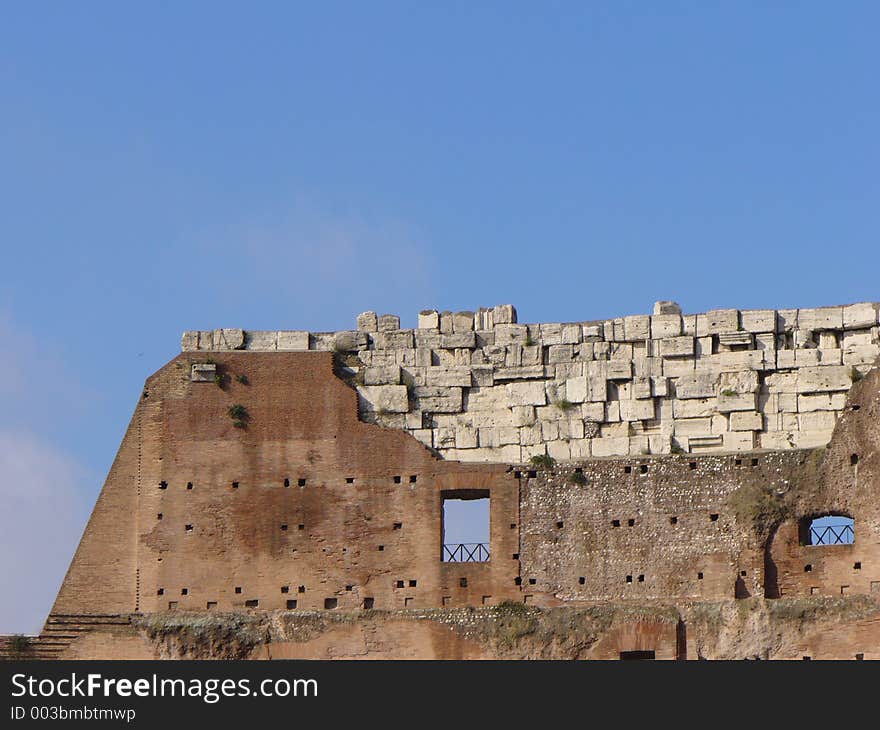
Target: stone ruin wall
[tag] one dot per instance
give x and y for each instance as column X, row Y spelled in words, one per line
column 479, row 386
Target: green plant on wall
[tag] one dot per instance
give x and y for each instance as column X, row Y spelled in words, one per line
column 563, row 404
column 243, row 379
column 239, row 415
column 543, row 460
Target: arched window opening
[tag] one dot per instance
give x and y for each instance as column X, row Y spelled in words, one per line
column 828, row 530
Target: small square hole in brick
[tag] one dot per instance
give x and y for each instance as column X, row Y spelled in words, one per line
column 582, row 580
column 413, row 478
column 692, row 464
column 301, row 482
column 300, row 527
column 699, row 576
column 738, row 462
column 163, row 485
column 517, row 581
column 238, row 589
column 513, row 525
column 349, row 480
column 743, row 573
column 330, row 603
column 381, row 548
column 160, row 592
column 462, row 582
column 630, row 522
column 399, row 584
column 398, row 525
column 578, row 470
column 532, row 581
column 172, row 605
column 629, row 579
column 287, row 482
column 515, row 556
column 301, row 589
column 853, row 459
column 189, row 528
column 412, row 584
column 627, row 470
column 189, row 485
column 560, row 524
column 754, row 462
column 285, row 589
column 641, row 579
column 643, row 469
column 808, row 568
column 407, row 601
column 284, row 528
column 235, row 485
column 397, row 479
column 860, row 657
column 857, row 566
column 211, row 604
column 714, row 517
column 615, row 523
column 252, row 603
column 532, row 473
column 291, row 604
column 369, row 602
column 673, row 520
column 517, row 474
column 349, row 587
column 184, row 591
column 159, row 516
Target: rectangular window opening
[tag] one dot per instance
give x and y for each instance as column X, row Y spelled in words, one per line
column 465, row 526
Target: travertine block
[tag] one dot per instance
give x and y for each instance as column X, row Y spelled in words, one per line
column 636, row 410
column 738, row 381
column 297, row 341
column 718, row 321
column 665, row 325
column 592, row 332
column 676, row 366
column 737, row 402
column 526, row 394
column 559, row 353
column 747, row 359
column 692, row 426
column 821, row 379
column 465, row 437
column 203, row 372
column 388, row 322
column 228, row 339
column 666, row 306
column 806, row 358
column 429, row 319
column 526, row 372
column 368, row 322
column 445, row 323
column 637, row 327
column 785, row 359
column 812, row 439
column 825, row 318
column 504, row 314
column 507, row 334
column 858, row 316
column 787, row 402
column 861, row 355
column 462, row 322
column 393, row 340
column 619, row 370
column 677, row 347
column 483, row 375
column 739, row 441
column 389, row 398
column 746, row 421
column 259, row 341
column 382, row 375
column 659, row 386
column 758, row 320
column 829, row 356
column 594, row 412
column 571, row 334
column 696, row 385
column 694, row 408
column 777, row 440
column 437, row 400
column 443, row 377
column 523, row 415
column 189, row 341
column 786, row 320
column 817, row 420
column 464, row 340
column 618, row 446
column 577, row 389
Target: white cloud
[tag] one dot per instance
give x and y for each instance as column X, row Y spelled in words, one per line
column 44, row 513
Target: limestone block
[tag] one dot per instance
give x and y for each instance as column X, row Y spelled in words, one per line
column 858, row 316
column 720, row 423
column 203, row 372
column 523, row 415
column 637, row 327
column 824, row 378
column 620, row 351
column 559, row 353
column 659, row 386
column 638, row 445
column 445, row 377
column 592, row 332
column 641, row 388
column 806, row 358
column 426, row 340
column 768, row 402
column 746, row 421
column 437, row 400
column 462, row 322
column 445, row 323
column 504, row 314
column 812, row 439
column 856, row 338
column 228, row 339
column 484, row 338
column 382, row 375
column 346, row 340
column 719, row 321
column 677, row 347
column 689, row 325
column 559, row 450
column 388, row 398
column 612, row 412
column 549, row 430
column 429, row 319
column 571, row 428
column 530, row 354
column 758, row 320
column 368, row 322
column 659, row 444
column 785, row 359
column 483, row 375
column 388, row 322
column 676, row 366
column 738, row 381
column 260, row 341
column 619, row 370
column 291, row 340
column 786, row 320
column 484, row 319
column 424, row 435
column 777, row 440
column 825, row 318
column 787, row 403
column 696, row 385
column 731, row 340
column 577, row 389
column 636, row 410
column 189, row 341
column 829, row 356
column 692, row 426
column 618, row 446
column 666, row 307
column 765, row 341
column 861, row 355
column 665, row 325
column 746, row 359
column 393, row 340
column 526, row 394
column 508, row 334
column 593, row 411
column 739, row 441
column 571, row 334
column 549, row 334
column 465, row 340
column 817, row 420
column 737, row 402
column 526, row 372
column 565, row 371
column 531, row 435
column 703, row 346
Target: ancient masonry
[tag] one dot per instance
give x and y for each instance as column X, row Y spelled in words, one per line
column 658, row 486
column 478, row 386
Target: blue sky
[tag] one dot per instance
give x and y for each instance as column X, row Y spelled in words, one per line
column 287, row 165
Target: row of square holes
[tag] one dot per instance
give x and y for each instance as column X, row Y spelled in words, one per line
column 284, row 526
column 413, row 478
column 643, row 468
column 808, row 568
